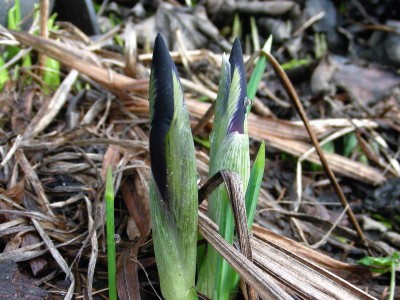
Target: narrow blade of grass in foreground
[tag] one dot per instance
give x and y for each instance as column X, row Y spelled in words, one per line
column 111, row 257
column 3, row 75
column 173, row 187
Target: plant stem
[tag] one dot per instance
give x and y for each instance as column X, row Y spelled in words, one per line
column 392, row 280
column 111, row 259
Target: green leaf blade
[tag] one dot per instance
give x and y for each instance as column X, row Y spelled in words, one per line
column 258, row 70
column 111, row 256
column 253, row 189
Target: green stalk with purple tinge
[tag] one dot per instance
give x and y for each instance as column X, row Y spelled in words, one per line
column 173, row 187
column 230, row 151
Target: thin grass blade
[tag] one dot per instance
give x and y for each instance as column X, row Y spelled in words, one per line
column 3, row 75
column 253, row 189
column 259, row 70
column 111, row 257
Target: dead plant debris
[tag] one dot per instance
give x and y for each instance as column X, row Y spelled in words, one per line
column 57, row 142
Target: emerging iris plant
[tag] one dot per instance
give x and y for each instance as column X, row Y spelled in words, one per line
column 230, row 151
column 173, row 188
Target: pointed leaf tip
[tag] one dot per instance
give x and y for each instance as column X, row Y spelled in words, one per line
column 162, row 110
column 236, row 57
column 237, row 69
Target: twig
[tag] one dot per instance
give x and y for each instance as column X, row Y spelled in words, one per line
column 261, row 282
column 326, row 236
column 46, row 114
column 201, row 89
column 44, row 31
column 11, row 151
column 204, row 119
column 33, row 179
column 308, row 23
column 299, row 107
column 304, row 156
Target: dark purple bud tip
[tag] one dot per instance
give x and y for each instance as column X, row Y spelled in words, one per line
column 162, row 110
column 237, row 67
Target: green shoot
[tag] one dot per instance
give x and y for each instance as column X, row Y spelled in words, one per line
column 111, row 257
column 253, row 189
column 173, row 187
column 349, row 144
column 51, row 74
column 3, row 74
column 230, row 150
column 258, row 71
column 295, row 63
column 252, row 193
column 384, row 265
column 381, row 219
column 254, row 33
column 14, row 16
column 13, row 23
column 205, row 143
column 236, row 26
column 320, row 45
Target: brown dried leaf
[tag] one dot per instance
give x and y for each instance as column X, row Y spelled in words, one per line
column 339, row 164
column 47, row 113
column 127, row 279
column 111, row 159
column 136, row 198
column 262, row 283
column 72, row 57
column 57, row 257
column 233, row 184
column 277, row 257
column 16, row 193
column 291, row 138
column 22, row 110
column 38, row 265
column 302, row 276
column 33, row 179
column 341, row 269
column 11, row 198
